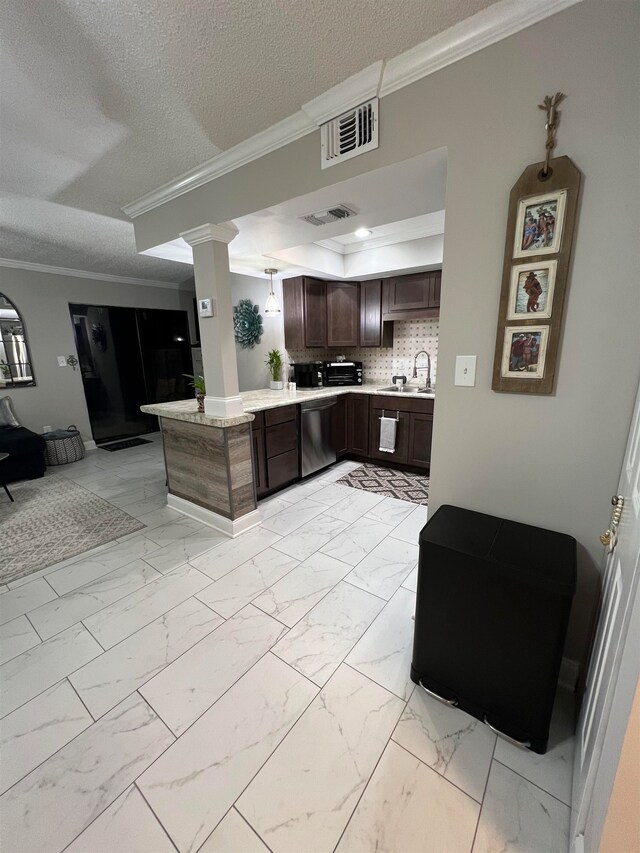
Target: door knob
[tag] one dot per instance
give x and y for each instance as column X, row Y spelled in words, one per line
column 609, row 537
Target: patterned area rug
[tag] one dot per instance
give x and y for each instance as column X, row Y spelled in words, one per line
column 51, row 520
column 386, row 481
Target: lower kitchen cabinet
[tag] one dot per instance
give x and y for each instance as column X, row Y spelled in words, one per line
column 358, row 424
column 274, row 436
column 402, row 435
column 413, row 431
column 340, row 442
column 420, row 430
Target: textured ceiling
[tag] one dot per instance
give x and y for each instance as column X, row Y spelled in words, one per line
column 104, row 101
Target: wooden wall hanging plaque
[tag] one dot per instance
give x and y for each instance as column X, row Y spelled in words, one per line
column 537, row 257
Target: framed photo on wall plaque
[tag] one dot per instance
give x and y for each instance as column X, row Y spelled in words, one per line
column 537, row 256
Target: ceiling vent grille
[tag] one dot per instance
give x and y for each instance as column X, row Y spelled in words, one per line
column 333, row 214
column 350, row 134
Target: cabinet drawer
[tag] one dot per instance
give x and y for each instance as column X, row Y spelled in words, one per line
column 282, row 469
column 280, row 415
column 281, row 438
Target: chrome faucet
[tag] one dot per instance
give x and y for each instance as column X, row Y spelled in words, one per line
column 415, row 368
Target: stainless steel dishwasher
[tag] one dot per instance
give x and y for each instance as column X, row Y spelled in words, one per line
column 317, row 449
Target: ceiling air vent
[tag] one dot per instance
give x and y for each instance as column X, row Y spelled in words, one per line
column 333, row 214
column 350, row 134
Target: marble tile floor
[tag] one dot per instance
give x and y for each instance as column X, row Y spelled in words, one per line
column 177, row 690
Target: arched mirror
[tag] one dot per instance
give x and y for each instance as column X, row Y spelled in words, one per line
column 15, row 359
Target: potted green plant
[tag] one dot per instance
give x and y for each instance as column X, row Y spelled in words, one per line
column 197, row 383
column 274, row 363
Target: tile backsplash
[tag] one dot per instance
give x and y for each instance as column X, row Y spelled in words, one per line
column 380, row 364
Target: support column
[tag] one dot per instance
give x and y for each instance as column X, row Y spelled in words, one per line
column 213, row 281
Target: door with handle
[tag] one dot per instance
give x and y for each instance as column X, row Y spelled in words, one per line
column 615, row 657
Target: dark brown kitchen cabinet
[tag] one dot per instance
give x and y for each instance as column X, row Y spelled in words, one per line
column 304, row 302
column 259, row 455
column 413, row 296
column 373, row 331
column 274, row 435
column 342, row 313
column 420, row 430
column 358, row 424
column 401, row 452
column 340, row 442
column 413, row 431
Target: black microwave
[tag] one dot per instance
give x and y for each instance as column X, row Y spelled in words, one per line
column 341, row 373
column 307, row 374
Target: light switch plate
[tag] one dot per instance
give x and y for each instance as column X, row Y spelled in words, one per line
column 62, row 361
column 465, row 370
column 206, row 307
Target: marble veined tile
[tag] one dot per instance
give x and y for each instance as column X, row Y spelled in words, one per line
column 383, row 570
column 384, row 652
column 16, row 637
column 455, row 745
column 235, row 590
column 409, row 529
column 108, row 679
column 305, row 541
column 21, row 600
column 411, row 581
column 357, row 540
column 60, row 798
column 35, row 731
column 191, row 684
column 198, row 778
column 28, row 674
column 354, row 506
column 293, row 516
column 320, row 641
column 407, row 807
column 231, row 553
column 553, row 771
column 127, row 825
column 294, row 595
column 181, row 551
column 233, row 835
column 391, row 511
column 85, row 570
column 127, row 615
column 330, row 493
column 304, row 795
column 183, row 527
column 61, row 613
column 272, row 506
column 518, row 816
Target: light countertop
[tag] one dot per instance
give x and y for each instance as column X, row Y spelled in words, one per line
column 265, row 398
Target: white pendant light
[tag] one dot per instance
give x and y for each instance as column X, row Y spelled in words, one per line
column 271, row 306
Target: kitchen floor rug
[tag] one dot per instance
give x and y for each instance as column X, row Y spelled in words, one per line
column 51, row 520
column 387, row 481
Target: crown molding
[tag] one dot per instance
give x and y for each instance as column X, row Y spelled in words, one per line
column 274, row 137
column 485, row 28
column 481, row 30
column 116, row 279
column 208, row 232
column 344, row 96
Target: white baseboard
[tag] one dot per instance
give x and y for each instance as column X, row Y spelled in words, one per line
column 212, row 519
column 569, row 672
column 90, row 445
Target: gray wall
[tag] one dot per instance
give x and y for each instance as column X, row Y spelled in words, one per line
column 43, row 300
column 551, row 461
column 252, row 371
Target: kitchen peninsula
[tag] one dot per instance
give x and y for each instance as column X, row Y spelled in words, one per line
column 217, row 468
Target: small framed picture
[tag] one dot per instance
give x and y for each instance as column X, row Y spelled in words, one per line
column 539, row 224
column 531, row 290
column 524, row 352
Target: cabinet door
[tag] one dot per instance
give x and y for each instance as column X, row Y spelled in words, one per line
column 342, row 313
column 340, row 425
column 409, row 292
column 434, row 288
column 315, row 312
column 293, row 312
column 358, row 424
column 402, row 436
column 420, row 429
column 259, row 461
column 371, row 313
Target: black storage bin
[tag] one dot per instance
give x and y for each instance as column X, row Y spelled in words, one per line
column 492, row 608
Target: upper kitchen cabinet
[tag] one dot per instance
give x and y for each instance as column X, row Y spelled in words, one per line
column 342, row 313
column 411, row 297
column 305, row 312
column 373, row 332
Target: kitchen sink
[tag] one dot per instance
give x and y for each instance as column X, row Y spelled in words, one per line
column 407, row 389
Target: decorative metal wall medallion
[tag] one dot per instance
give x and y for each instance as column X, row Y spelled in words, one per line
column 247, row 324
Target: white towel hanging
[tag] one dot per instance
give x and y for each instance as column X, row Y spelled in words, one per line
column 388, row 428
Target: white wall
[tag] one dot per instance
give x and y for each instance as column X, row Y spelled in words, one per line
column 252, row 371
column 551, row 461
column 43, row 301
